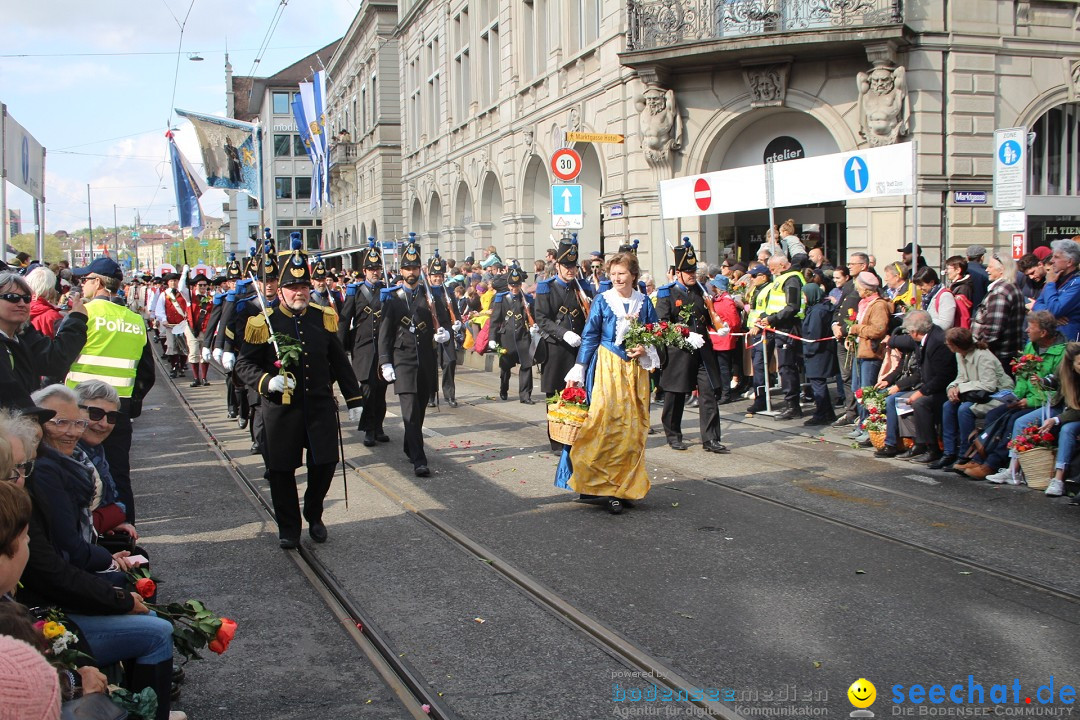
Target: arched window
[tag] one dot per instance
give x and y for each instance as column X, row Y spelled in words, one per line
column 1054, row 168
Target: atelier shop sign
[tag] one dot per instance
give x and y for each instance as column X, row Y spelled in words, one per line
column 783, row 148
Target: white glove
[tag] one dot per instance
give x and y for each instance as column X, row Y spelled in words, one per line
column 355, row 413
column 228, row 360
column 571, row 338
column 725, row 330
column 442, row 336
column 576, row 374
column 696, row 340
column 492, row 344
column 216, row 354
column 534, row 330
column 457, row 325
column 278, row 383
column 388, row 373
column 206, row 355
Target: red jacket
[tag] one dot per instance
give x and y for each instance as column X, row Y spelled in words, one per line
column 198, row 313
column 44, row 317
column 727, row 310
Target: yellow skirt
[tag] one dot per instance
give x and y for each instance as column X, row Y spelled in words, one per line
column 608, row 456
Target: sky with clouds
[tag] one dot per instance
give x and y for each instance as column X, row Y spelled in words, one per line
column 92, row 82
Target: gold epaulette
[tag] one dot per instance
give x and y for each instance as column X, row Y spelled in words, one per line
column 329, row 318
column 257, row 330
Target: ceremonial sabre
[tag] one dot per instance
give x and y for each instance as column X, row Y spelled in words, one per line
column 286, row 394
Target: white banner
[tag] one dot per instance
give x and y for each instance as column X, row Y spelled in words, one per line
column 875, row 172
column 716, row 192
column 24, row 159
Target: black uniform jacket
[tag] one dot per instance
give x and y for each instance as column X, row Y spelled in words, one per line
column 310, row 419
column 359, row 328
column 681, row 366
column 407, row 337
column 510, row 324
column 558, row 310
column 31, row 355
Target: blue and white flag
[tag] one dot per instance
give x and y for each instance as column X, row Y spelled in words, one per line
column 189, row 188
column 305, row 136
column 320, row 114
column 232, row 156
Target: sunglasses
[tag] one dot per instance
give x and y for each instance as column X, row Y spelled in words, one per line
column 16, row 297
column 96, row 413
column 61, row 424
column 21, row 470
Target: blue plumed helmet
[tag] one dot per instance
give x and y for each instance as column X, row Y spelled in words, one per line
column 266, row 233
column 685, row 259
column 630, row 247
column 294, row 267
column 373, row 257
column 296, row 241
column 567, row 252
column 436, row 265
column 410, row 256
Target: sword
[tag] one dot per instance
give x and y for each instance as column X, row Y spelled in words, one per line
column 286, row 394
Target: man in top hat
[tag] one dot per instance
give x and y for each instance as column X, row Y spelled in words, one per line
column 689, row 370
column 359, row 332
column 407, row 337
column 513, row 328
column 446, row 353
column 171, row 313
column 116, row 352
column 561, row 307
column 299, row 410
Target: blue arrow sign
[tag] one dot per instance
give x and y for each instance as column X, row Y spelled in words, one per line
column 1010, row 152
column 856, row 174
column 566, row 206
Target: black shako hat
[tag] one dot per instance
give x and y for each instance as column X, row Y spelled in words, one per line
column 294, row 266
column 372, row 256
column 630, row 247
column 233, row 270
column 410, row 257
column 516, row 276
column 685, row 259
column 567, row 254
column 318, row 269
column 267, row 262
column 436, row 265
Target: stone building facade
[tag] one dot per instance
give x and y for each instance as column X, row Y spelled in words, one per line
column 489, row 89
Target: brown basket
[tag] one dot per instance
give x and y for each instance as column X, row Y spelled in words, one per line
column 1038, row 467
column 563, row 433
column 877, row 439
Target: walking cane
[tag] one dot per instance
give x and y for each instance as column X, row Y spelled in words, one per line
column 341, row 447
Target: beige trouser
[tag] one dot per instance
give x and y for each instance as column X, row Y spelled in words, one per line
column 194, row 346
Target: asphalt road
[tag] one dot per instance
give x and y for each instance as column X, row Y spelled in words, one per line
column 776, row 575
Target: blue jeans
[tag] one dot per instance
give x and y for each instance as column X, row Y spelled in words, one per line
column 1066, row 444
column 864, row 372
column 892, row 420
column 957, row 424
column 113, row 638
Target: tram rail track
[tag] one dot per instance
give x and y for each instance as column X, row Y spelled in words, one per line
column 1016, row 578
column 403, row 679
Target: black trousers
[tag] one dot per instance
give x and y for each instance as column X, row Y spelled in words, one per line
column 788, row 356
column 449, row 377
column 708, row 410
column 506, row 363
column 286, row 503
column 118, row 451
column 230, row 395
column 374, row 413
column 823, row 408
column 725, row 358
column 413, row 410
column 927, row 411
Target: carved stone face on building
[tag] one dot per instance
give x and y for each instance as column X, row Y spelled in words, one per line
column 655, row 103
column 881, row 81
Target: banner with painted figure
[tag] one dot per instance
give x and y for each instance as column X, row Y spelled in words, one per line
column 189, row 188
column 231, row 152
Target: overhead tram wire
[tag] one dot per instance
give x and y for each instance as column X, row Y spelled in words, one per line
column 136, row 54
column 269, row 34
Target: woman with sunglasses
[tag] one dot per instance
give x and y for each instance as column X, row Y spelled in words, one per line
column 101, row 403
column 26, row 355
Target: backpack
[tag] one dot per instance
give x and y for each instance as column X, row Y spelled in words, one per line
column 962, row 317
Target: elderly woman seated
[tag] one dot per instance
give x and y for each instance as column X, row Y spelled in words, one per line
column 65, row 474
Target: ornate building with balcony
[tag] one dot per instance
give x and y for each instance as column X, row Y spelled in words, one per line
column 363, row 111
column 490, row 89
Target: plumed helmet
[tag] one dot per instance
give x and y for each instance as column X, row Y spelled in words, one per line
column 410, row 257
column 436, row 265
column 294, row 266
column 685, row 259
column 372, row 256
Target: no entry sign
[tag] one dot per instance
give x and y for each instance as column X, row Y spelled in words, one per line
column 702, row 194
column 566, row 164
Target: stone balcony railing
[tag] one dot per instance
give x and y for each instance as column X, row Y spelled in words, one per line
column 342, row 153
column 657, row 24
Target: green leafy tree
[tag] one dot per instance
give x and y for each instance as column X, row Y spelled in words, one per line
column 27, row 242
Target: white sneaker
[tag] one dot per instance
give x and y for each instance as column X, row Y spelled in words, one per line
column 1056, row 488
column 177, row 715
column 1018, row 478
column 1001, row 477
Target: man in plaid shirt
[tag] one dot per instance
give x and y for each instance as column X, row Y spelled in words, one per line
column 999, row 320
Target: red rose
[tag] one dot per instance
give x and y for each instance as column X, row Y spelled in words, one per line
column 859, row 393
column 145, row 587
column 568, row 394
column 685, row 331
column 225, row 634
column 678, row 303
column 1047, row 437
column 663, row 325
column 649, row 326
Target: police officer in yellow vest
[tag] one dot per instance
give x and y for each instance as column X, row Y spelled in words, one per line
column 784, row 307
column 760, row 347
column 118, row 353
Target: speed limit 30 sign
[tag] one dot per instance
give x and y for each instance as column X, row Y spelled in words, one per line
column 566, row 164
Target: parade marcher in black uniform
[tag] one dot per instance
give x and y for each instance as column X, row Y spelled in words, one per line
column 265, row 268
column 513, row 329
column 445, row 353
column 689, row 370
column 407, row 338
column 320, row 293
column 561, row 308
column 299, row 410
column 359, row 332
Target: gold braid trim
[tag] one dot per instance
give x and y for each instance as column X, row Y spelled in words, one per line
column 257, row 331
column 329, row 319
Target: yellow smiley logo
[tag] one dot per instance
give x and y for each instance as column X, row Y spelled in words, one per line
column 862, row 693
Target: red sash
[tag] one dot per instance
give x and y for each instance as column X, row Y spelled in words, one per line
column 175, row 309
column 198, row 314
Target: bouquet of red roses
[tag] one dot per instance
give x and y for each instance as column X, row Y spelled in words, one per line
column 566, row 414
column 1026, row 365
column 658, row 334
column 1030, row 438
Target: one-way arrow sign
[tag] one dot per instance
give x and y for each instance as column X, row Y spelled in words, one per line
column 566, row 211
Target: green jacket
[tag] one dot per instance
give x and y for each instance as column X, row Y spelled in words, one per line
column 1051, row 356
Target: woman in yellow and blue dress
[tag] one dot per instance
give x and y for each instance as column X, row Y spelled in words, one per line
column 607, row 460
